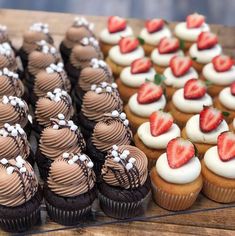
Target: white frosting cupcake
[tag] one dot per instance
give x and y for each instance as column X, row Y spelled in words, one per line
column 227, row 99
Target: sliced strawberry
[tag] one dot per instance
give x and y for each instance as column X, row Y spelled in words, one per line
column 222, row 63
column 210, row 119
column 180, row 65
column 141, row 65
column 195, row 20
column 206, row 40
column 194, row 89
column 160, row 122
column 226, row 146
column 168, row 45
column 154, row 25
column 148, row 93
column 232, row 87
column 128, row 44
column 179, row 151
column 116, row 24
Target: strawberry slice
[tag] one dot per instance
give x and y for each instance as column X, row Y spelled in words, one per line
column 179, row 151
column 141, row 65
column 222, row 63
column 206, row 40
column 195, row 20
column 168, row 45
column 232, row 87
column 116, row 24
column 226, row 146
column 148, row 93
column 128, row 44
column 210, row 119
column 180, row 65
column 160, row 122
column 154, row 25
column 194, row 89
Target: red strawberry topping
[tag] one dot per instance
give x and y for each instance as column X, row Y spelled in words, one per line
column 179, row 151
column 226, row 146
column 222, row 63
column 195, row 20
column 116, row 24
column 160, row 122
column 128, row 44
column 210, row 119
column 232, row 87
column 194, row 89
column 141, row 65
column 180, row 65
column 148, row 93
column 168, row 45
column 154, row 25
column 206, row 40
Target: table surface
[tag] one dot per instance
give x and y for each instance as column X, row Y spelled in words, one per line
column 204, row 218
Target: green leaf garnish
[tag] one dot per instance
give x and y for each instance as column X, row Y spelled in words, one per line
column 159, row 78
column 181, row 44
column 208, row 83
column 225, row 113
column 194, row 58
column 141, row 40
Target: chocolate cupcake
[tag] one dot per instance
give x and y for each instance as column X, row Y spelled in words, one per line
column 37, row 32
column 103, row 98
column 79, row 29
column 70, row 189
column 61, row 136
column 7, row 57
column 125, row 189
column 20, row 195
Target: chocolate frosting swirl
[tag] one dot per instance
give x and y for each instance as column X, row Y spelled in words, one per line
column 71, row 177
column 8, row 61
column 129, row 172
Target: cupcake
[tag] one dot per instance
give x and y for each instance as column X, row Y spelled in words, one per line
column 176, row 178
column 189, row 101
column 152, row 33
column 123, row 54
column 116, row 29
column 4, row 36
column 20, row 195
column 125, row 189
column 141, row 105
column 218, row 170
column 164, row 52
column 79, row 29
column 219, row 73
column 7, row 57
column 70, row 189
column 61, row 136
column 102, row 98
column 132, row 77
column 204, row 50
column 189, row 31
column 204, row 128
column 177, row 74
column 153, row 136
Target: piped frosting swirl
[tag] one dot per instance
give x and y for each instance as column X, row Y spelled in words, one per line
column 7, row 57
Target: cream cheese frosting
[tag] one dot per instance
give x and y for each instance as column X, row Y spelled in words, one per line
column 227, row 99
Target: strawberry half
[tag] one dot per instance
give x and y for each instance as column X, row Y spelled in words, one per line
column 128, row 44
column 195, row 21
column 232, row 87
column 226, row 146
column 194, row 89
column 179, row 151
column 222, row 63
column 210, row 119
column 168, row 45
column 180, row 65
column 116, row 24
column 154, row 25
column 141, row 65
column 206, row 40
column 148, row 93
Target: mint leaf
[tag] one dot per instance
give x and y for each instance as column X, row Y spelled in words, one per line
column 194, row 58
column 182, row 44
column 225, row 113
column 159, row 78
column 141, row 40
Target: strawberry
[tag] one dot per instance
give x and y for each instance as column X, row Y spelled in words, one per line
column 168, row 45
column 180, row 65
column 154, row 25
column 160, row 122
column 148, row 93
column 206, row 40
column 116, row 24
column 232, row 87
column 128, row 44
column 210, row 119
column 194, row 89
column 195, row 20
column 140, row 65
column 226, row 146
column 222, row 63
column 179, row 151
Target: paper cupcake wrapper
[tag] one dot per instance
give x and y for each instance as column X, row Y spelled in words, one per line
column 151, row 163
column 123, row 210
column 217, row 193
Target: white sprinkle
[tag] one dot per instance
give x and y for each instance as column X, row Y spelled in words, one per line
column 21, row 131
column 116, row 159
column 115, row 113
column 57, row 90
column 64, row 93
column 60, row 64
column 55, row 127
column 5, row 134
column 126, row 122
column 104, row 84
column 75, row 158
column 52, row 50
column 21, row 103
column 20, row 159
column 115, row 147
column 4, row 161
column 114, row 153
column 65, row 155
column 10, row 170
column 13, row 102
column 114, row 85
column 19, row 164
column 83, row 157
column 123, row 116
column 61, row 116
column 14, row 132
column 98, row 90
column 5, row 100
column 123, row 156
column 49, row 71
column 129, row 166
column 6, row 125
column 93, row 87
column 62, row 122
column 74, row 127
column 57, row 99
column 70, row 123
column 132, row 160
column 71, row 162
column 108, row 89
column 49, row 94
column 23, row 169
column 126, row 152
column 10, row 128
column 90, row 164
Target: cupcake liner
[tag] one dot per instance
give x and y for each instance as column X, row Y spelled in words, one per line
column 151, row 163
column 123, row 210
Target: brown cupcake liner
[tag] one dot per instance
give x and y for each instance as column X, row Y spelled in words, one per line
column 151, row 163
